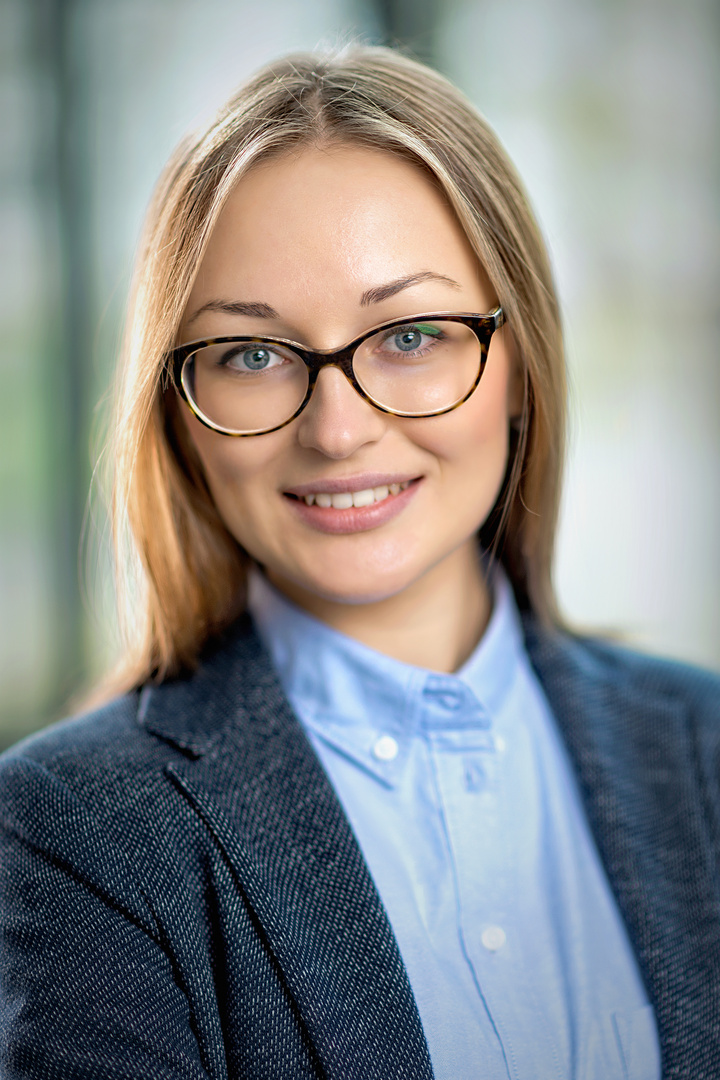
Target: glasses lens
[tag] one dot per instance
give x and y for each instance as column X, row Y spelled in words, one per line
column 245, row 387
column 419, row 367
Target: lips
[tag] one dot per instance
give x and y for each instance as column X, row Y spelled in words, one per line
column 352, row 504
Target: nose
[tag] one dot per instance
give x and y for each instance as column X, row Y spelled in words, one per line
column 337, row 421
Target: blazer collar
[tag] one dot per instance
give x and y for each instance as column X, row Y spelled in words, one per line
column 192, row 712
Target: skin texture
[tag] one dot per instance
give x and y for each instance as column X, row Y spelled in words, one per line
column 309, row 234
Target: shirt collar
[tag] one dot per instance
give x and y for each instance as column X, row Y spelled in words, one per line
column 353, row 696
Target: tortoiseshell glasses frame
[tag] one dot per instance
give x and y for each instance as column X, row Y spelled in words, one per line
column 482, row 326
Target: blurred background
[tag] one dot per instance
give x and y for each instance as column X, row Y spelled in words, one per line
column 610, row 111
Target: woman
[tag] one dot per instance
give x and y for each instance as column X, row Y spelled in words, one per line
column 362, row 809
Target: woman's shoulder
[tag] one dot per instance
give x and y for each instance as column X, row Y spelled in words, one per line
column 103, row 758
column 633, row 723
column 85, row 766
column 110, row 797
column 118, row 734
column 581, row 664
column 110, row 723
column 106, row 737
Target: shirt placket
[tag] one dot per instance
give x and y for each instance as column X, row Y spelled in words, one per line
column 463, row 751
column 482, row 783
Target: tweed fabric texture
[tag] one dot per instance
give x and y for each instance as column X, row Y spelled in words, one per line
column 181, row 894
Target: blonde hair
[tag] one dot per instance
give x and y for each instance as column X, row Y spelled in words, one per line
column 170, row 538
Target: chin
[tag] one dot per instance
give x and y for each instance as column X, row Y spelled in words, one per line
column 346, row 587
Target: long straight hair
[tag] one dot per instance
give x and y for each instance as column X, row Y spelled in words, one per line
column 181, row 575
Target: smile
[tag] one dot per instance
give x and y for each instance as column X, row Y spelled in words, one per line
column 343, row 500
column 367, row 502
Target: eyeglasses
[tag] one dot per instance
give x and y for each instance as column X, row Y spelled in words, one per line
column 425, row 365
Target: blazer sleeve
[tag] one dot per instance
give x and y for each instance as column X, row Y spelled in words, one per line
column 87, row 987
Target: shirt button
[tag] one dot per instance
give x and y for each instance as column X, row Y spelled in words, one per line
column 493, row 938
column 386, row 748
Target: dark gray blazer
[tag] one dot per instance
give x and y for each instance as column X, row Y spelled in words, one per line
column 182, row 896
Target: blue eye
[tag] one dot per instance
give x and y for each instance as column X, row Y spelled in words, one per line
column 256, row 359
column 249, row 358
column 408, row 340
column 415, row 339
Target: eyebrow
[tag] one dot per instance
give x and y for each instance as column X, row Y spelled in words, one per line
column 255, row 309
column 258, row 310
column 384, row 292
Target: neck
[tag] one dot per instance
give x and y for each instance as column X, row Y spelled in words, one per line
column 434, row 623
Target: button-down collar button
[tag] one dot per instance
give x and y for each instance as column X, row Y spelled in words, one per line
column 444, row 693
column 500, row 744
column 493, row 938
column 385, row 748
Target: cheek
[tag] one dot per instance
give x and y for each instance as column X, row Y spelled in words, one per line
column 474, row 438
column 236, row 470
column 219, row 457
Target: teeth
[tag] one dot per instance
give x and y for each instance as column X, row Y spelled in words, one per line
column 343, row 500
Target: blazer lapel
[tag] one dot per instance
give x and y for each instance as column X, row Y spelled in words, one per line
column 635, row 755
column 252, row 775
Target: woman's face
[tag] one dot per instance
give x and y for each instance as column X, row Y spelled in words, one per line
column 318, row 247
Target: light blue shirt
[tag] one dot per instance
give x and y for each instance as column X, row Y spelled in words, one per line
column 465, row 807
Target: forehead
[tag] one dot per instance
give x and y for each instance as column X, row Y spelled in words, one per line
column 345, row 180
column 333, row 221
